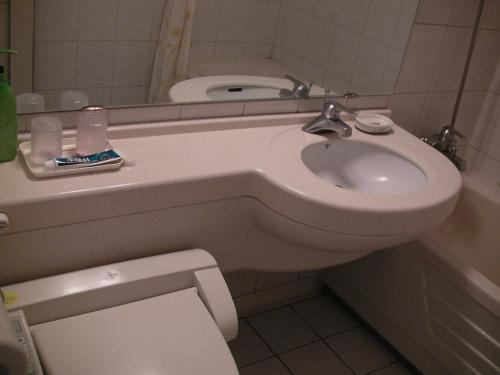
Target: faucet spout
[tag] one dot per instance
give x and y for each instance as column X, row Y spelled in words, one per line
column 328, row 121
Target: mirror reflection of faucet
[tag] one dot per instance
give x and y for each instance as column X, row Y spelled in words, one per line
column 300, row 89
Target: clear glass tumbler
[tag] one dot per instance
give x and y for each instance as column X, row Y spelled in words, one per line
column 91, row 130
column 46, row 139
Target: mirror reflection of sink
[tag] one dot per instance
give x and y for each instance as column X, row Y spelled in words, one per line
column 363, row 167
column 232, row 87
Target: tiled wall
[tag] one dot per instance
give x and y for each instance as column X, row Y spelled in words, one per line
column 234, row 29
column 4, row 29
column 480, row 105
column 432, row 70
column 107, row 48
column 344, row 45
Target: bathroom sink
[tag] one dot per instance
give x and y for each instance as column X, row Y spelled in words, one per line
column 363, row 167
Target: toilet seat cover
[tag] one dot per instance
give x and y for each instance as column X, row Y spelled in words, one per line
column 170, row 334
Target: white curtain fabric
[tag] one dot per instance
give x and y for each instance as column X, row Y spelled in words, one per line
column 172, row 50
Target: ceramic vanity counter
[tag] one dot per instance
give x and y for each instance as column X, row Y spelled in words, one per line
column 190, row 162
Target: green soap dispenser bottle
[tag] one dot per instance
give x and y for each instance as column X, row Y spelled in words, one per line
column 8, row 117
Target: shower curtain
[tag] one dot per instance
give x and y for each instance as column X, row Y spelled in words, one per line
column 172, row 50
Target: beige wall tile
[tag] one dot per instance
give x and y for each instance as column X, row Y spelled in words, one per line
column 421, row 58
column 491, row 15
column 406, row 110
column 484, row 60
column 436, row 113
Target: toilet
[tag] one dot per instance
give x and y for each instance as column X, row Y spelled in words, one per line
column 166, row 314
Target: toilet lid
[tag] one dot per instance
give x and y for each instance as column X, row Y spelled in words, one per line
column 170, row 334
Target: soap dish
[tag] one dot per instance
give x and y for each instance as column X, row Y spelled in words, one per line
column 69, row 149
column 373, row 123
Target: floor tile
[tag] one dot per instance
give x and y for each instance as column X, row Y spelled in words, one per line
column 325, row 315
column 271, row 366
column 282, row 329
column 248, row 347
column 361, row 350
column 314, row 359
column 395, row 369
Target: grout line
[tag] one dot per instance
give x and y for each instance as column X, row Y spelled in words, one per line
column 339, row 357
column 382, row 367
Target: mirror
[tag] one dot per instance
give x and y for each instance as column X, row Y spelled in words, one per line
column 127, row 52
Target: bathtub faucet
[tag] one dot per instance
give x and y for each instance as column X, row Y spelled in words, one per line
column 446, row 143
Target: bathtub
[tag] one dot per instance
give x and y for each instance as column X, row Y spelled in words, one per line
column 437, row 299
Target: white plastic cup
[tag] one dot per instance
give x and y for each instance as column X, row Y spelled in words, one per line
column 73, row 100
column 91, row 130
column 30, row 102
column 46, row 139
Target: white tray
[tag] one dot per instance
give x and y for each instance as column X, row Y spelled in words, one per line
column 69, row 147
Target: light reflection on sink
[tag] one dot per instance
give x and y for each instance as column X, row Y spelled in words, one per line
column 363, row 167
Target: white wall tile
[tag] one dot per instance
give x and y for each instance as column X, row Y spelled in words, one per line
column 436, row 113
column 50, row 73
column 471, row 105
column 228, row 51
column 486, row 136
column 344, row 52
column 421, row 58
column 434, row 11
column 131, row 64
column 95, row 64
column 206, row 21
column 463, row 12
column 484, row 60
column 383, row 19
column 97, row 19
column 328, row 9
column 491, row 15
column 353, row 14
column 234, row 16
column 406, row 110
column 135, row 19
column 370, row 65
column 202, row 51
column 313, row 73
column 319, row 42
column 257, row 50
column 128, row 95
column 451, row 61
column 56, row 20
column 262, row 21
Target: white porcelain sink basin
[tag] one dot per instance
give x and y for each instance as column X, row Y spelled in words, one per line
column 363, row 167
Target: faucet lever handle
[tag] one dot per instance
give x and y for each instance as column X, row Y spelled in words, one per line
column 296, row 82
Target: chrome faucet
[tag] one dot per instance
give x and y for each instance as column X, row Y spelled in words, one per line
column 329, row 120
column 300, row 89
column 446, row 143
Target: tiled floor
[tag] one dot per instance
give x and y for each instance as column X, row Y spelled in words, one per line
column 313, row 337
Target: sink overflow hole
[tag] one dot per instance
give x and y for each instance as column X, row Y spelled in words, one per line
column 340, row 186
column 235, row 89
